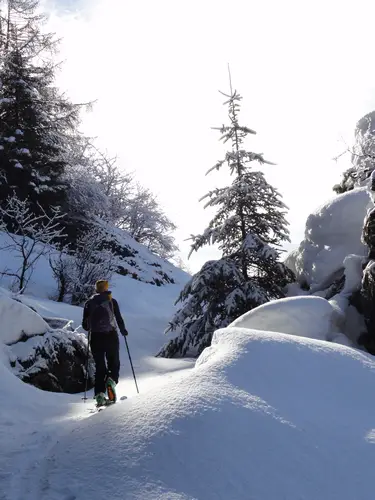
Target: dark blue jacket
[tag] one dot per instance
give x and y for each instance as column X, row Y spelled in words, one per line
column 101, row 313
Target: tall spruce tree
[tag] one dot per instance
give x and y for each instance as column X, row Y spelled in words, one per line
column 37, row 123
column 249, row 228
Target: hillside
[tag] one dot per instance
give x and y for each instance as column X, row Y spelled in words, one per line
column 134, row 261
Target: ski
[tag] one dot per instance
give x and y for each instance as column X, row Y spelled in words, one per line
column 109, row 403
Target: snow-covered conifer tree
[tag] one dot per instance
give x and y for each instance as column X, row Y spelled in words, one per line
column 36, row 121
column 249, row 228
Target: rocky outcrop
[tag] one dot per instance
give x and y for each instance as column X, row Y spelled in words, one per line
column 54, row 361
column 329, row 262
column 367, row 293
column 45, row 352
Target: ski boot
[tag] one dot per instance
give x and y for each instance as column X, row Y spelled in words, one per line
column 100, row 399
column 111, row 390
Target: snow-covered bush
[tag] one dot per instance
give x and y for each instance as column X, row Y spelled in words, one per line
column 29, row 236
column 85, row 196
column 77, row 271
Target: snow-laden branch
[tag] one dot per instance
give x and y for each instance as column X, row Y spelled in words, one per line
column 29, row 235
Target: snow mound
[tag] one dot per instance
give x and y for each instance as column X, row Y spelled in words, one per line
column 261, row 416
column 332, row 232
column 18, row 321
column 305, row 316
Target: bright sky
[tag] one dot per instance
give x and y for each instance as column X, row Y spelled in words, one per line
column 305, row 70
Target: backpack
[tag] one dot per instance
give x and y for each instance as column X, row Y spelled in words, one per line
column 102, row 317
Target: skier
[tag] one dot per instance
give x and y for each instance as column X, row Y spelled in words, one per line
column 100, row 314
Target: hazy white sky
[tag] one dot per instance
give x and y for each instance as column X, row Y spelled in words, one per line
column 305, row 69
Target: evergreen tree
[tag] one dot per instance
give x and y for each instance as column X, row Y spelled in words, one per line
column 249, row 228
column 37, row 123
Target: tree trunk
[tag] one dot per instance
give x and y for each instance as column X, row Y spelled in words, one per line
column 22, row 276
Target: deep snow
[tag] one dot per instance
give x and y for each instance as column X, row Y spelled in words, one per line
column 262, row 416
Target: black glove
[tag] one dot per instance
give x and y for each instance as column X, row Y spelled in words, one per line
column 125, row 332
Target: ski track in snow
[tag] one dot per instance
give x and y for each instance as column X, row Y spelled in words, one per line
column 28, row 464
column 27, row 468
column 30, row 473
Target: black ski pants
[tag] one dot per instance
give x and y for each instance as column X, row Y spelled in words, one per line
column 105, row 348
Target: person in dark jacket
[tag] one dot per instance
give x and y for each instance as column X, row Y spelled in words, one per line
column 100, row 315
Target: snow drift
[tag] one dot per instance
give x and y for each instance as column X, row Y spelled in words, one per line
column 18, row 320
column 307, row 316
column 261, row 416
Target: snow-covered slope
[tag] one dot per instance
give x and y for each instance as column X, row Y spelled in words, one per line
column 262, row 415
column 136, row 262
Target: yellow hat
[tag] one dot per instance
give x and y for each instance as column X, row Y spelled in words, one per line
column 101, row 286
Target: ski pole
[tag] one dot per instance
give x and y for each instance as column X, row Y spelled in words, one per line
column 87, row 365
column 131, row 363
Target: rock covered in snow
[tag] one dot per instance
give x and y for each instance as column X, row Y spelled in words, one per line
column 332, row 232
column 367, row 293
column 353, row 273
column 368, row 306
column 330, row 260
column 50, row 359
column 53, row 362
column 59, row 323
